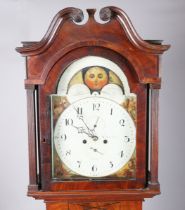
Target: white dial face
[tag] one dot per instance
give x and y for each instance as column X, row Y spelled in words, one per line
column 95, row 137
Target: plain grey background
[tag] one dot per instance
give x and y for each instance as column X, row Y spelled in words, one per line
column 28, row 20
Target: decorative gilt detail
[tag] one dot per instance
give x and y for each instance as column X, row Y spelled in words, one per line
column 130, row 105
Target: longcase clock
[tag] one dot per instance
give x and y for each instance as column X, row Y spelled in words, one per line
column 92, row 95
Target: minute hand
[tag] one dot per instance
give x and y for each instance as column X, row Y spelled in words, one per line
column 89, row 130
column 95, row 125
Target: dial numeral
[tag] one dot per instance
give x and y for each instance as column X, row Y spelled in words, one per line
column 79, row 110
column 111, row 164
column 122, row 153
column 122, row 122
column 96, row 107
column 111, row 111
column 68, row 152
column 79, row 163
column 68, row 122
column 94, row 168
column 127, row 139
column 63, row 137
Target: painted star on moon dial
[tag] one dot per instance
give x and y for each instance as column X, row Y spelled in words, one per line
column 95, row 137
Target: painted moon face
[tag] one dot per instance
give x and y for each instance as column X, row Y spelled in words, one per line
column 96, row 78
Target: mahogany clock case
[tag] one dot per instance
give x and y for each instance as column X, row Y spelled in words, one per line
column 65, row 42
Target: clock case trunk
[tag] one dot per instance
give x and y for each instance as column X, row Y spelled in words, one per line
column 67, row 40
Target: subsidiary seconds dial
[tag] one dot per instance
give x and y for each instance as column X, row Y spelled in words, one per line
column 95, row 137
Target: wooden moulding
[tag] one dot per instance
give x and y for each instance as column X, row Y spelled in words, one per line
column 117, row 34
column 76, row 196
column 75, row 14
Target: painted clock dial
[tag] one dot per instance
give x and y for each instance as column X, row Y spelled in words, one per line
column 95, row 137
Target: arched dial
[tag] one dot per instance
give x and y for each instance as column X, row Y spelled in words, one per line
column 95, row 137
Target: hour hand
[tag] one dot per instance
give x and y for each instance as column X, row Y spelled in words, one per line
column 82, row 130
column 95, row 150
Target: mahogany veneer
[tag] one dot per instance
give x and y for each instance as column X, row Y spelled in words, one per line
column 64, row 42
